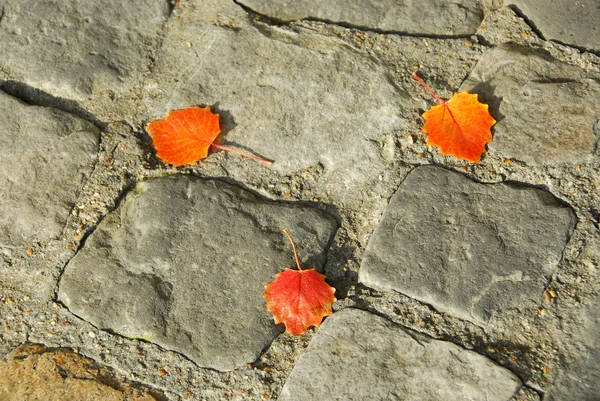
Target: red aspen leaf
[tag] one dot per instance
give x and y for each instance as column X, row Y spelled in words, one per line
column 299, row 298
column 184, row 136
column 460, row 126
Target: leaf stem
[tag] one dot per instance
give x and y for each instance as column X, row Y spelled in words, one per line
column 248, row 155
column 294, row 248
column 428, row 89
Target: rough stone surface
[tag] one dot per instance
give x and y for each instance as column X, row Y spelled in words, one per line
column 78, row 48
column 45, row 157
column 430, row 17
column 572, row 22
column 547, row 111
column 333, row 112
column 34, row 372
column 466, row 248
column 580, row 380
column 359, row 356
column 183, row 263
column 336, row 107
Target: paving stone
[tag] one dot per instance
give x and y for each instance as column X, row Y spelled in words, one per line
column 299, row 99
column 356, row 355
column 580, row 379
column 429, row 17
column 571, row 22
column 547, row 111
column 45, row 157
column 34, row 372
column 77, row 48
column 183, row 263
column 466, row 248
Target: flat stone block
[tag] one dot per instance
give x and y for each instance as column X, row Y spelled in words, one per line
column 547, row 111
column 356, row 355
column 580, row 378
column 295, row 98
column 466, row 248
column 570, row 22
column 183, row 262
column 46, row 156
column 74, row 48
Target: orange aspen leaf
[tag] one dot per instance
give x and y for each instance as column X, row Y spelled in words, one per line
column 184, row 136
column 460, row 126
column 299, row 298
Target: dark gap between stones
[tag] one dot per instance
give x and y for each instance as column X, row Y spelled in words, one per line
column 529, row 22
column 539, row 33
column 37, row 97
column 277, row 22
column 86, row 235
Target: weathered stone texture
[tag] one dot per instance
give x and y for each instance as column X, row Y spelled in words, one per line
column 466, row 248
column 183, row 263
column 358, row 356
column 425, row 17
column 77, row 48
column 571, row 22
column 547, row 111
column 45, row 157
column 296, row 98
column 579, row 379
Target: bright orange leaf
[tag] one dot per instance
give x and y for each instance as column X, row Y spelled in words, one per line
column 299, row 298
column 460, row 126
column 184, row 136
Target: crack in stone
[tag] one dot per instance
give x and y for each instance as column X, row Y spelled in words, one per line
column 528, row 21
column 539, row 33
column 171, row 5
column 268, row 20
column 120, row 197
column 37, row 97
column 555, row 81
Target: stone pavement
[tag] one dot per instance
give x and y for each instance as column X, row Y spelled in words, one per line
column 124, row 278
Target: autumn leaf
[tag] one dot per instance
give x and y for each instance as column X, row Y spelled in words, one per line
column 299, row 298
column 184, row 136
column 460, row 126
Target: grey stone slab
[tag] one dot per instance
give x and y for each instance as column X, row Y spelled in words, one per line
column 429, row 17
column 580, row 379
column 77, row 48
column 359, row 356
column 547, row 112
column 466, row 248
column 183, row 262
column 299, row 99
column 571, row 22
column 46, row 155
